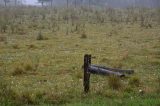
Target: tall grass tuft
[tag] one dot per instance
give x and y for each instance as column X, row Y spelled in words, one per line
column 134, row 81
column 114, row 82
column 18, row 71
column 40, row 36
column 158, row 88
column 83, row 36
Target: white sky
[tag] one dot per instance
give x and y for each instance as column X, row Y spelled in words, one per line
column 31, row 2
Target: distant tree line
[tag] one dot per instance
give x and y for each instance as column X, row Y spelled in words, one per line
column 11, row 2
column 109, row 3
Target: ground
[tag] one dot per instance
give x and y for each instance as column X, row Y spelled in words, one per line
column 49, row 71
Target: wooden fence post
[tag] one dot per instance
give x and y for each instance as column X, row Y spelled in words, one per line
column 87, row 63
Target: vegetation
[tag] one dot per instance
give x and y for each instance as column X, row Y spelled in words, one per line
column 49, row 72
column 114, row 82
column 134, row 81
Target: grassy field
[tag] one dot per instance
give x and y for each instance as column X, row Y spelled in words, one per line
column 41, row 58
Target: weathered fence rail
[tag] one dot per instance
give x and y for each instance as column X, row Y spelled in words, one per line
column 115, row 70
column 101, row 70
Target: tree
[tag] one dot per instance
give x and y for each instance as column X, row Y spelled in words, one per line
column 67, row 3
column 51, row 3
column 15, row 2
column 75, row 3
column 45, row 2
column 41, row 1
column 6, row 1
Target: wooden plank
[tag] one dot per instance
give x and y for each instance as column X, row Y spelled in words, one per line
column 115, row 70
column 87, row 62
column 101, row 71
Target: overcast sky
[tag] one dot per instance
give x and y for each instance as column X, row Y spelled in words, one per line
column 111, row 2
column 31, row 2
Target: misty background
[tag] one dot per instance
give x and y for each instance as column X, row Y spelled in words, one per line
column 109, row 3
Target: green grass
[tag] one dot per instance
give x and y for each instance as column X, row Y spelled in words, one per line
column 51, row 71
column 119, row 102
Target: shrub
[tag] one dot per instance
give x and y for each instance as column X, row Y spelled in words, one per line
column 134, row 81
column 114, row 82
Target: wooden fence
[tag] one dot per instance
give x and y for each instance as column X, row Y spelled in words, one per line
column 101, row 70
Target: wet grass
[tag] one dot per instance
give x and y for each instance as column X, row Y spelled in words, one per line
column 49, row 72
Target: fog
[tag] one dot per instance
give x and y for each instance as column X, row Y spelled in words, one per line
column 31, row 2
column 109, row 3
column 112, row 3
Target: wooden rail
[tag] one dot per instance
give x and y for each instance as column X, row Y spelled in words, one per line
column 101, row 70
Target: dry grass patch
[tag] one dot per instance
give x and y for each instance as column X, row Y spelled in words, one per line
column 3, row 39
column 31, row 46
column 18, row 71
column 24, row 68
column 158, row 83
column 28, row 67
column 55, row 98
column 40, row 36
column 83, row 36
column 26, row 98
column 114, row 82
column 15, row 46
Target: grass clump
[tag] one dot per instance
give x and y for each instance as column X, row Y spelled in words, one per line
column 128, row 89
column 15, row 46
column 28, row 67
column 114, row 82
column 18, row 71
column 40, row 36
column 83, row 36
column 158, row 88
column 7, row 95
column 134, row 81
column 24, row 68
column 27, row 98
column 56, row 98
column 31, row 46
column 3, row 39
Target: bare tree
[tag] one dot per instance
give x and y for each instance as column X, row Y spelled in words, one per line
column 15, row 2
column 75, row 3
column 67, row 3
column 42, row 2
column 51, row 3
column 5, row 2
